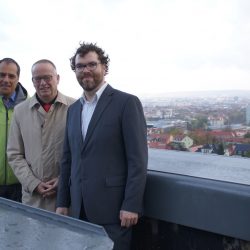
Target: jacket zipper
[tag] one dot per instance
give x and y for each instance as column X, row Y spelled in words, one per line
column 6, row 135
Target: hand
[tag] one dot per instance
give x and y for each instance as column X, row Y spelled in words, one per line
column 62, row 210
column 47, row 189
column 128, row 218
column 53, row 183
column 42, row 188
column 53, row 187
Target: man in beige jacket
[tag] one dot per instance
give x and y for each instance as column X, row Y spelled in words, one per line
column 36, row 137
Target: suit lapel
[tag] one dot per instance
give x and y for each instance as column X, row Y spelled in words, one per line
column 102, row 104
column 78, row 121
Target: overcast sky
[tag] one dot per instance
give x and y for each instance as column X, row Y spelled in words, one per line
column 155, row 46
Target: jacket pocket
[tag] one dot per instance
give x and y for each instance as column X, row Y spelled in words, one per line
column 115, row 181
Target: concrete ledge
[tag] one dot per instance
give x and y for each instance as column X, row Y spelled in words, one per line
column 24, row 227
column 211, row 205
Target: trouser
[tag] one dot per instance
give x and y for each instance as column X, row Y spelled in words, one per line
column 121, row 236
column 11, row 192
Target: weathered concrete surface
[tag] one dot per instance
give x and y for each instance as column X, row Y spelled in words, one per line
column 208, row 166
column 26, row 228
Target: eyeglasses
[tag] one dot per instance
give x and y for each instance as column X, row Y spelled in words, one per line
column 90, row 66
column 38, row 79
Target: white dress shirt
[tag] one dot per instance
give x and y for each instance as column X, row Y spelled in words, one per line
column 89, row 108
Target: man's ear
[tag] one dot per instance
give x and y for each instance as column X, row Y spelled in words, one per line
column 58, row 78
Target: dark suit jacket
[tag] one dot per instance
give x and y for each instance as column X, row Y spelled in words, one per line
column 108, row 170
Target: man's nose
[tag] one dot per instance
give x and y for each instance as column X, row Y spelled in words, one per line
column 85, row 69
column 43, row 82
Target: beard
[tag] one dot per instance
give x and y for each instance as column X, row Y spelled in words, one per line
column 90, row 82
column 89, row 85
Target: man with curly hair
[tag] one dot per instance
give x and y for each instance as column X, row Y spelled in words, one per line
column 104, row 163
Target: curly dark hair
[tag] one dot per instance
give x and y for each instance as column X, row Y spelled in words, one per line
column 10, row 60
column 89, row 47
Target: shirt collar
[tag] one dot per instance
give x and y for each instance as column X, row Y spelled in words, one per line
column 42, row 103
column 97, row 94
column 12, row 97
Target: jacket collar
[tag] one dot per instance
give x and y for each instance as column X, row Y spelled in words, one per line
column 18, row 96
column 60, row 99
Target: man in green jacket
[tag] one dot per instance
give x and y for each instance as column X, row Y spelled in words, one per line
column 11, row 93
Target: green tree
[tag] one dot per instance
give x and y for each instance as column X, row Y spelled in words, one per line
column 247, row 135
column 201, row 138
column 175, row 131
column 247, row 154
column 200, row 122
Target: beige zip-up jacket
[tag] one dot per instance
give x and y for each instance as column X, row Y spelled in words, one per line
column 35, row 146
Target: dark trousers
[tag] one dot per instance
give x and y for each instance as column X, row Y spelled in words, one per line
column 11, row 192
column 121, row 236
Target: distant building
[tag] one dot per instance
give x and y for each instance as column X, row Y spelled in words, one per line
column 196, row 148
column 159, row 141
column 240, row 132
column 221, row 135
column 242, row 149
column 216, row 122
column 248, row 114
column 183, row 140
column 208, row 149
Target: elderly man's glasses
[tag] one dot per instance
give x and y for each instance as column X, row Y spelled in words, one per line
column 89, row 66
column 38, row 79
